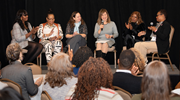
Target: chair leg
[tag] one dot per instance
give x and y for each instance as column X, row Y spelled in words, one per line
column 115, row 58
column 40, row 60
column 158, row 56
column 153, row 56
column 37, row 60
column 170, row 62
column 94, row 53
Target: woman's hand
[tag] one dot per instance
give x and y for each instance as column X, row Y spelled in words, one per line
column 101, row 27
column 134, row 70
column 130, row 27
column 52, row 38
column 127, row 25
column 75, row 33
column 70, row 52
column 141, row 33
column 34, row 30
column 39, row 81
column 107, row 36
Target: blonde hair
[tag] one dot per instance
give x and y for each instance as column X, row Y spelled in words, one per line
column 155, row 82
column 13, row 51
column 59, row 68
column 139, row 59
column 139, row 21
column 99, row 21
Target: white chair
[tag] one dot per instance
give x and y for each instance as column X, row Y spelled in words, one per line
column 112, row 49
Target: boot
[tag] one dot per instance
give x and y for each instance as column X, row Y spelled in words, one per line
column 103, row 55
column 98, row 53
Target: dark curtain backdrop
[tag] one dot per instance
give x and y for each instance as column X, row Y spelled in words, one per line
column 119, row 11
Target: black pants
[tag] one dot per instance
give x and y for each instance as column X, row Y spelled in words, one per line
column 34, row 49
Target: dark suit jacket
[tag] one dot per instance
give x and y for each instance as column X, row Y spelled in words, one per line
column 22, row 75
column 127, row 82
column 162, row 37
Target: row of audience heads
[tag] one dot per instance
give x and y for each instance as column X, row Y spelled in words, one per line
column 96, row 72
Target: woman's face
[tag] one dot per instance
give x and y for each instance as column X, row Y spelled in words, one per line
column 24, row 17
column 104, row 17
column 50, row 19
column 77, row 18
column 134, row 18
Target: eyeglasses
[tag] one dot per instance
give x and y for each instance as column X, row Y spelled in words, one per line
column 25, row 14
column 50, row 18
column 158, row 14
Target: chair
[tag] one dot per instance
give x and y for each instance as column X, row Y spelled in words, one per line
column 25, row 51
column 45, row 96
column 35, row 68
column 167, row 55
column 12, row 84
column 112, row 49
column 124, row 94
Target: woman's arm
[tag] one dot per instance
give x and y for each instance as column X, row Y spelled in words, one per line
column 16, row 32
column 68, row 30
column 60, row 32
column 84, row 32
column 97, row 30
column 115, row 31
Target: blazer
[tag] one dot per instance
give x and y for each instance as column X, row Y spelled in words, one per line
column 162, row 37
column 127, row 82
column 19, row 35
column 22, row 75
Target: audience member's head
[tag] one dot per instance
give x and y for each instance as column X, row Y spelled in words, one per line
column 126, row 59
column 155, row 82
column 13, row 52
column 59, row 68
column 93, row 74
column 139, row 60
column 135, row 18
column 9, row 93
column 81, row 55
column 161, row 15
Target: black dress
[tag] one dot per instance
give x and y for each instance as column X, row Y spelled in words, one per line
column 131, row 36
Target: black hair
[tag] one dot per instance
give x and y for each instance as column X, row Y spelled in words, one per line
column 19, row 14
column 9, row 93
column 49, row 12
column 163, row 11
column 126, row 59
column 81, row 55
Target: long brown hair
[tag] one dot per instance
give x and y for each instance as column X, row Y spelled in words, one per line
column 139, row 21
column 155, row 82
column 59, row 68
column 72, row 21
column 99, row 21
column 93, row 74
column 139, row 60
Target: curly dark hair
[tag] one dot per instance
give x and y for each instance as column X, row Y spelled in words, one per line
column 72, row 21
column 81, row 55
column 49, row 12
column 18, row 18
column 93, row 74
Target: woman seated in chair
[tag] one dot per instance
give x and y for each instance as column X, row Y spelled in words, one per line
column 24, row 34
column 60, row 77
column 20, row 73
column 135, row 30
column 105, row 31
column 155, row 84
column 94, row 82
column 76, row 32
column 50, row 35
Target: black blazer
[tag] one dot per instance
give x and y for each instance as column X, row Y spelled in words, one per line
column 127, row 82
column 162, row 37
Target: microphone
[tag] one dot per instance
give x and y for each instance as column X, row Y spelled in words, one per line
column 151, row 23
column 102, row 23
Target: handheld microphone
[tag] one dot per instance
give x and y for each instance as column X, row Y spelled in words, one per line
column 151, row 23
column 102, row 23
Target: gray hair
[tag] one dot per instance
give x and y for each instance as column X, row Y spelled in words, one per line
column 13, row 51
